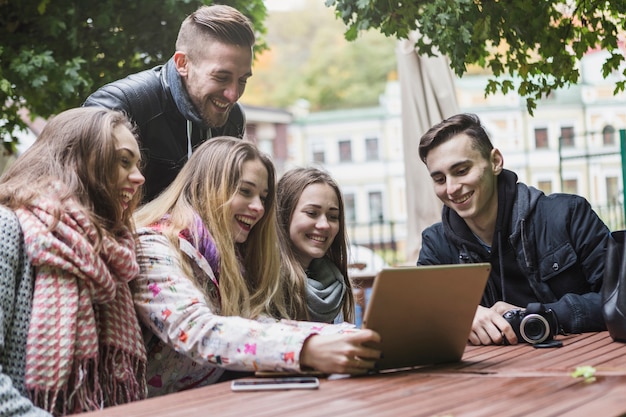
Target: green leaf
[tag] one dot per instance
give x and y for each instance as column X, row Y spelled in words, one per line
column 586, row 372
column 543, row 44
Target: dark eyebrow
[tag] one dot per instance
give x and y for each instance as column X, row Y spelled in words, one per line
column 458, row 164
column 317, row 206
column 227, row 72
column 435, row 173
column 452, row 167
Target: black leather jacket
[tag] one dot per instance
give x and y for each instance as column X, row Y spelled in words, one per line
column 559, row 243
column 147, row 97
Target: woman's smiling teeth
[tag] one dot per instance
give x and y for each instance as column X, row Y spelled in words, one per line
column 244, row 221
column 321, row 239
column 126, row 196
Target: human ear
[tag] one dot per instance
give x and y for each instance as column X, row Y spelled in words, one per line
column 181, row 61
column 497, row 161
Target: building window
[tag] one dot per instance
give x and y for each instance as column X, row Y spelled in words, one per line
column 541, row 138
column 345, row 151
column 570, row 186
column 608, row 135
column 371, row 149
column 376, row 206
column 251, row 129
column 319, row 156
column 612, row 190
column 349, row 207
column 567, row 137
column 545, row 186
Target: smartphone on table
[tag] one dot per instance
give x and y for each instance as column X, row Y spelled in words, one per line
column 282, row 383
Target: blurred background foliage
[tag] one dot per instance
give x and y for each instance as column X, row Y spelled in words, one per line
column 309, row 58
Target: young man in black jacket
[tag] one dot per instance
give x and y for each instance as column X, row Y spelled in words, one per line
column 547, row 249
column 191, row 98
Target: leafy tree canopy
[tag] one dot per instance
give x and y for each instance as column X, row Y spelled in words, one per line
column 309, row 58
column 540, row 43
column 53, row 54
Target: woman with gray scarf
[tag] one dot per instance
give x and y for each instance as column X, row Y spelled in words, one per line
column 313, row 243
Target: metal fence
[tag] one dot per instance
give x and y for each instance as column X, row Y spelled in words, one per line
column 612, row 215
column 381, row 237
column 386, row 238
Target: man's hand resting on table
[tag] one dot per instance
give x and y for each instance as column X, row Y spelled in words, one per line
column 489, row 327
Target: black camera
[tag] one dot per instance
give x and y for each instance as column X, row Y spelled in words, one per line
column 536, row 324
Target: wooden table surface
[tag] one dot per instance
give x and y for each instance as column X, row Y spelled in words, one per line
column 489, row 381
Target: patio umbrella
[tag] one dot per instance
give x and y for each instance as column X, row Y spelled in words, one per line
column 428, row 96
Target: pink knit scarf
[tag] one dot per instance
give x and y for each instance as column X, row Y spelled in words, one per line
column 84, row 348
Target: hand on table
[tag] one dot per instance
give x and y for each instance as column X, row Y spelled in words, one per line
column 342, row 353
column 489, row 327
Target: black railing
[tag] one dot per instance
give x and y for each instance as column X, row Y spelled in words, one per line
column 382, row 238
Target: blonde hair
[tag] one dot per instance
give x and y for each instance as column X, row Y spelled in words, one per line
column 289, row 190
column 249, row 278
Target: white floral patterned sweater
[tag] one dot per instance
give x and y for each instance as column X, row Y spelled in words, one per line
column 188, row 343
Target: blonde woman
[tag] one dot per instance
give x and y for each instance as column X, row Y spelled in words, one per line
column 209, row 293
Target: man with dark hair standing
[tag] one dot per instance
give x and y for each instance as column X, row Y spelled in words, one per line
column 191, row 98
column 547, row 249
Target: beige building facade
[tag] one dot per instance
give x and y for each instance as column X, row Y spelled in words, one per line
column 570, row 144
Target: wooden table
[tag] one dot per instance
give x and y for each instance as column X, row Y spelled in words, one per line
column 490, row 381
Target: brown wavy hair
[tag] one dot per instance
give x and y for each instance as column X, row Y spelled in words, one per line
column 77, row 148
column 289, row 190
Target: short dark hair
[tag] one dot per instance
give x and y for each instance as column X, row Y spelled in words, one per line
column 214, row 23
column 445, row 130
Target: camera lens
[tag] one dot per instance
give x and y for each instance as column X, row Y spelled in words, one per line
column 534, row 328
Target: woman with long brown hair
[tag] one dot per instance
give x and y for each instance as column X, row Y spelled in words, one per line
column 313, row 244
column 71, row 341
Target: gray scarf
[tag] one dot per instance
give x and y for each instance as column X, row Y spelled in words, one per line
column 326, row 288
column 179, row 93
